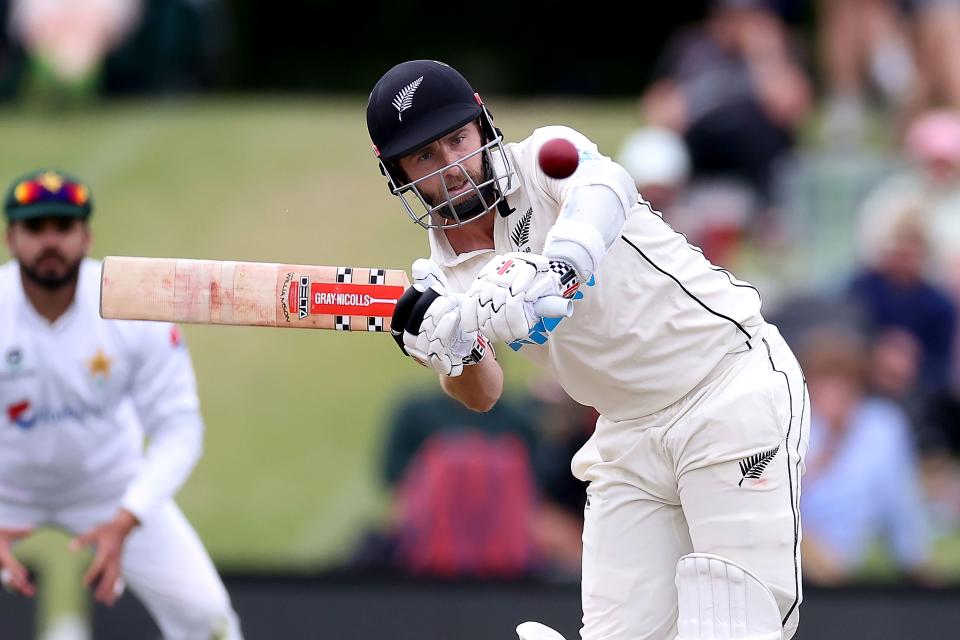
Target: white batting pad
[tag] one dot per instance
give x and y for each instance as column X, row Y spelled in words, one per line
column 720, row 600
column 537, row 631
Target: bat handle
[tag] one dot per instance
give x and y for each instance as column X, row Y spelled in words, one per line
column 553, row 307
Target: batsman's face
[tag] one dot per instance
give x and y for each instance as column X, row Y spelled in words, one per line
column 449, row 157
column 49, row 250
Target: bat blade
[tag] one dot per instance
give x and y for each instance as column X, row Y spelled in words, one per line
column 249, row 293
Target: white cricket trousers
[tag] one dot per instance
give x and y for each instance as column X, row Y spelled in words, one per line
column 716, row 472
column 164, row 563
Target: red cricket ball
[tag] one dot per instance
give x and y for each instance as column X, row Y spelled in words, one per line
column 558, row 158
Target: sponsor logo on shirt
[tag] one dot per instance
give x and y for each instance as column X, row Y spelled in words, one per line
column 19, row 414
column 23, row 415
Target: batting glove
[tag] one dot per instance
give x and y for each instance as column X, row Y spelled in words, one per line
column 514, row 291
column 426, row 324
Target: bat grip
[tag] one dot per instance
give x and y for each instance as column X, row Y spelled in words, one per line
column 553, row 307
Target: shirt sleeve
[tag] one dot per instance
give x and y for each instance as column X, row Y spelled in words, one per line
column 164, row 393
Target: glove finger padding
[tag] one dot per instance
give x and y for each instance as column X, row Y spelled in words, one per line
column 503, row 297
column 428, row 274
column 469, row 313
column 510, row 321
column 434, row 336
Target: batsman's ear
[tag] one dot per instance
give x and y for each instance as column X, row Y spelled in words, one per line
column 401, row 314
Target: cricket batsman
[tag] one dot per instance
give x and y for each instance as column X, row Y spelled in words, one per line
column 692, row 525
column 79, row 395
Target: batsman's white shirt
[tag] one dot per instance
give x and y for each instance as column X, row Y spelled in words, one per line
column 79, row 395
column 704, row 412
column 658, row 317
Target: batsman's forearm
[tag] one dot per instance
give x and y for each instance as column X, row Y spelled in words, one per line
column 479, row 386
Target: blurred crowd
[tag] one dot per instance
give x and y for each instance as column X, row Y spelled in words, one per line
column 859, row 265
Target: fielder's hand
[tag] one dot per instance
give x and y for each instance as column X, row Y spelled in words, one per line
column 514, row 291
column 426, row 324
column 107, row 539
column 14, row 575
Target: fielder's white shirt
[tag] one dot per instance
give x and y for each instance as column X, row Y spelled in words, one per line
column 658, row 316
column 79, row 396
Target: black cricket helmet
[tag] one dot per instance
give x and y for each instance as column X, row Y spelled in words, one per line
column 412, row 105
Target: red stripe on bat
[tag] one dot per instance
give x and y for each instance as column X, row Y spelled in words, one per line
column 354, row 299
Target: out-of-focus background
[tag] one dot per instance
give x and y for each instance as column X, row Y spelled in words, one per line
column 813, row 148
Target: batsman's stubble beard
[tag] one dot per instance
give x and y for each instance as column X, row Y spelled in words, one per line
column 467, row 205
column 52, row 280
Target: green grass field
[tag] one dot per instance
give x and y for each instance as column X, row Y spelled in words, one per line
column 294, row 418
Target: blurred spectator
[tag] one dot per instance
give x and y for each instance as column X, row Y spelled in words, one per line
column 11, row 58
column 862, row 481
column 906, row 52
column 734, row 88
column 77, row 48
column 483, row 494
column 895, row 293
column 464, row 493
column 658, row 161
column 930, row 184
column 864, row 45
column 67, row 40
column 935, row 26
column 914, row 324
column 713, row 216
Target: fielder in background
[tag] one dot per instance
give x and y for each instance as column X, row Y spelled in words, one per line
column 692, row 526
column 79, row 394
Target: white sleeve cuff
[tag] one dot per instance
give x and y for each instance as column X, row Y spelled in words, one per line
column 578, row 243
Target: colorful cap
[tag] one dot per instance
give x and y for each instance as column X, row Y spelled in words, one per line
column 47, row 192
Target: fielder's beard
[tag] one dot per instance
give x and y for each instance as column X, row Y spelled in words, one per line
column 50, row 280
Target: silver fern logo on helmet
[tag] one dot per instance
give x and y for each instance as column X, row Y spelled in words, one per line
column 404, row 99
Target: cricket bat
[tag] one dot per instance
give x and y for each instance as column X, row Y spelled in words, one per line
column 262, row 294
column 250, row 293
